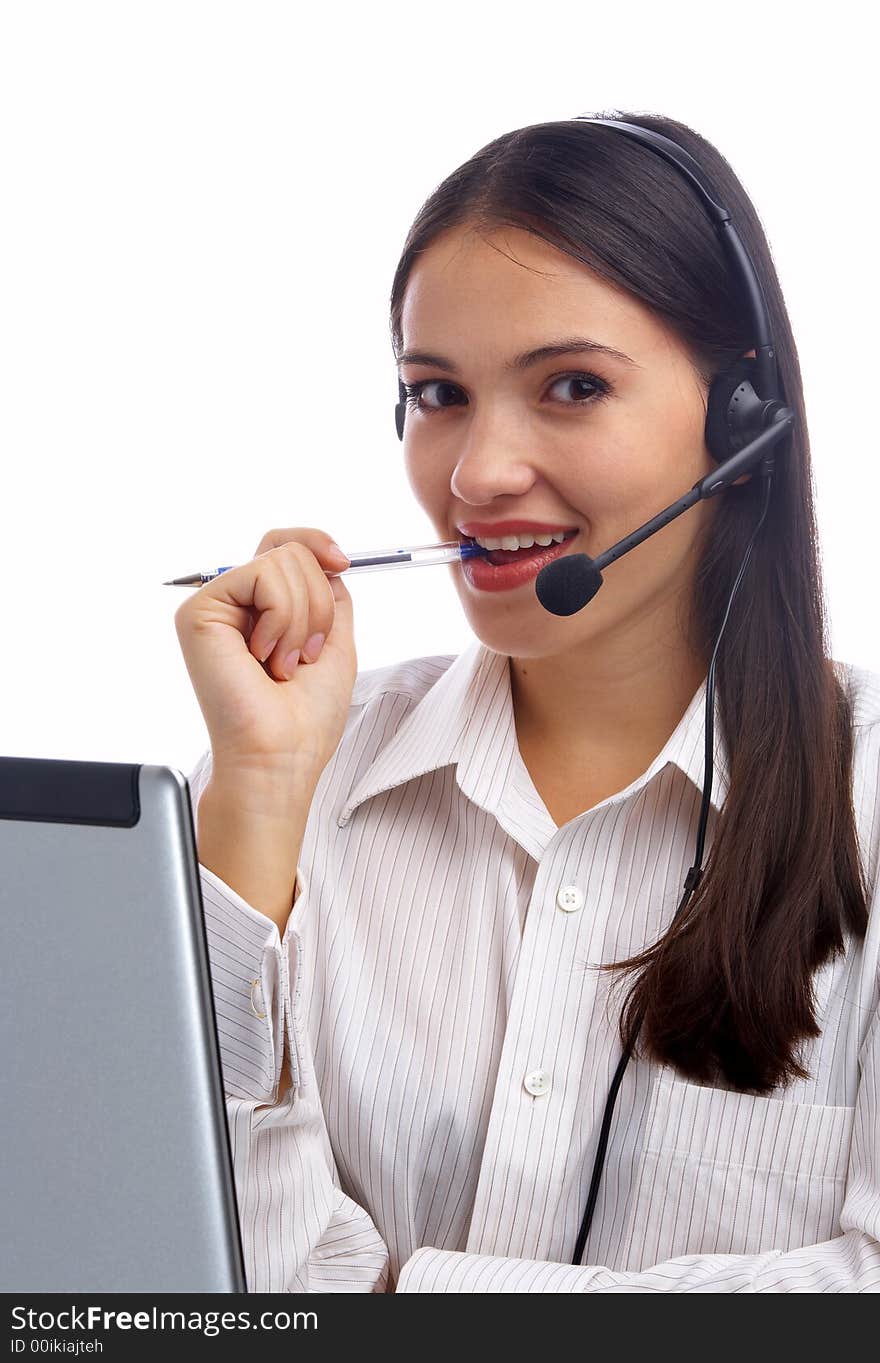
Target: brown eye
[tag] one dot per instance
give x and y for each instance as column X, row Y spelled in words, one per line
column 414, row 394
column 582, row 388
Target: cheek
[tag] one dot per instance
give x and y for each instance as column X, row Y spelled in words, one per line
column 643, row 466
column 429, row 485
column 620, row 493
column 414, row 474
column 606, row 487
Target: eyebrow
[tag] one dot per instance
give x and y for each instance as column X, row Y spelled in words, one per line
column 569, row 345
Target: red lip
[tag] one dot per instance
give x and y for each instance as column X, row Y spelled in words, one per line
column 494, row 530
column 487, row 576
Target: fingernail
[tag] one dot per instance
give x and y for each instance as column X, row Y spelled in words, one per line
column 312, row 647
column 268, row 650
column 335, row 549
column 290, row 662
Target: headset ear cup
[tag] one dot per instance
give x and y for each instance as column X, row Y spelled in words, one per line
column 724, row 434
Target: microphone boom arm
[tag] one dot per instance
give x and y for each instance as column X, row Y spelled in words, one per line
column 713, row 483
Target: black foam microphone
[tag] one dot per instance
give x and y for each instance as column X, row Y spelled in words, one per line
column 569, row 583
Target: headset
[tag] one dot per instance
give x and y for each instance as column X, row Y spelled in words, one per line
column 746, row 418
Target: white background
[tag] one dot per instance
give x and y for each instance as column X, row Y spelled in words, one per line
column 203, row 207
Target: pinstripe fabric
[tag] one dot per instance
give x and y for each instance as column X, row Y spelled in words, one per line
column 451, row 1046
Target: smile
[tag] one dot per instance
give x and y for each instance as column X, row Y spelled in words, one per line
column 505, row 569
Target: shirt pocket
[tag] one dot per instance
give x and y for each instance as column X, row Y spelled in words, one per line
column 732, row 1173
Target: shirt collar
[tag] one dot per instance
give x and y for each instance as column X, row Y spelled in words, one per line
column 466, row 717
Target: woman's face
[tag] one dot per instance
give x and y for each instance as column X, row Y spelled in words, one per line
column 585, row 440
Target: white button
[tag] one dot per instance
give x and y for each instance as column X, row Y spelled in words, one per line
column 570, row 898
column 537, row 1082
column 257, row 1011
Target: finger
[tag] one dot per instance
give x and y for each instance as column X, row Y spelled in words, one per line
column 290, row 642
column 321, row 544
column 344, row 606
column 276, row 605
column 320, row 607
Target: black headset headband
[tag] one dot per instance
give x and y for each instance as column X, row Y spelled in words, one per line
column 732, row 410
column 766, row 374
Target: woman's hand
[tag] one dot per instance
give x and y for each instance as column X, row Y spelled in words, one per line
column 266, row 711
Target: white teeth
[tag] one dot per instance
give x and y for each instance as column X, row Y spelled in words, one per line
column 523, row 541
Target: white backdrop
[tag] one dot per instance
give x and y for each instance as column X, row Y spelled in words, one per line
column 203, row 207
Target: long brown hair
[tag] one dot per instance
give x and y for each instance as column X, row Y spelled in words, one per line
column 726, row 994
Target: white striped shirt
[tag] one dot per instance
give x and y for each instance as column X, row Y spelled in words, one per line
column 451, row 1047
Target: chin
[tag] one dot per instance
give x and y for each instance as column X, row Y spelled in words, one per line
column 511, row 629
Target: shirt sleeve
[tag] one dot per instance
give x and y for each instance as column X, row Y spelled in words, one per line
column 300, row 1232
column 848, row 1263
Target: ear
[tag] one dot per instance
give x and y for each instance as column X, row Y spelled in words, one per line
column 749, row 355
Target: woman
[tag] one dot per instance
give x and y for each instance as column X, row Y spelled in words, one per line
column 484, row 853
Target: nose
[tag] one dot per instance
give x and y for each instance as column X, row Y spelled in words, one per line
column 491, row 464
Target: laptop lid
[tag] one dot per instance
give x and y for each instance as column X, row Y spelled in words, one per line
column 116, row 1169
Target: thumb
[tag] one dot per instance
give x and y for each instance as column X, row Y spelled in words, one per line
column 343, row 619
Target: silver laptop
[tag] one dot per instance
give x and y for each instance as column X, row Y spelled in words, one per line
column 115, row 1164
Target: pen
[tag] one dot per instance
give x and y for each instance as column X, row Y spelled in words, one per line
column 370, row 560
